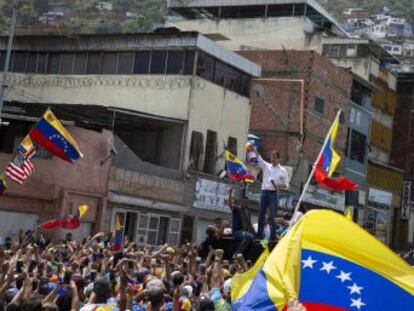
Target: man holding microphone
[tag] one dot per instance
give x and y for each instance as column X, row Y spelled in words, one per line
column 275, row 178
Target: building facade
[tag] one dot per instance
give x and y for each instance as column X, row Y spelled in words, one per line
column 371, row 62
column 252, row 25
column 170, row 100
column 293, row 106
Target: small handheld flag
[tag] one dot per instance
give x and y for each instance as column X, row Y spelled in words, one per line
column 20, row 168
column 51, row 135
column 118, row 235
column 237, row 171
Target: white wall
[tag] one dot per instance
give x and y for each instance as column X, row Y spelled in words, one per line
column 225, row 112
column 11, row 223
column 269, row 33
column 165, row 96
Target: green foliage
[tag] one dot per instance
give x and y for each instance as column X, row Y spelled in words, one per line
column 84, row 15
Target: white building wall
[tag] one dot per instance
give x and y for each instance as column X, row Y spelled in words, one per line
column 165, row 96
column 269, row 33
column 225, row 112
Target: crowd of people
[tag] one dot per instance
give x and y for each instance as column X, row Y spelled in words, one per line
column 37, row 274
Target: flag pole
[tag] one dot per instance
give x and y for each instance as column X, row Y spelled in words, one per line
column 305, row 187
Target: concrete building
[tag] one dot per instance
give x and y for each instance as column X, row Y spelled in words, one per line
column 356, row 155
column 259, row 24
column 371, row 62
column 171, row 101
column 293, row 105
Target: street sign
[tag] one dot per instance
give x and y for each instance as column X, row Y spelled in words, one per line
column 406, row 201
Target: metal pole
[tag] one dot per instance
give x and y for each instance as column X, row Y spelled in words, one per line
column 305, row 187
column 3, row 86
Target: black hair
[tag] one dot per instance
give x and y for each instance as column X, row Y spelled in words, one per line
column 31, row 305
column 13, row 307
column 156, row 296
column 102, row 290
column 64, row 302
column 205, row 304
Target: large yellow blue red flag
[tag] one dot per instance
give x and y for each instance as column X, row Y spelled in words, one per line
column 51, row 135
column 329, row 263
column 236, row 170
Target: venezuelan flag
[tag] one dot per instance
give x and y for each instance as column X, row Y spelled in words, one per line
column 69, row 223
column 51, row 135
column 237, row 171
column 331, row 264
column 118, row 235
column 328, row 161
column 27, row 148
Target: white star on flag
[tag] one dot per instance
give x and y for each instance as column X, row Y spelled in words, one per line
column 328, row 267
column 355, row 289
column 344, row 276
column 308, row 263
column 357, row 303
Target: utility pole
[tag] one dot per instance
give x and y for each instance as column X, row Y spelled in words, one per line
column 3, row 85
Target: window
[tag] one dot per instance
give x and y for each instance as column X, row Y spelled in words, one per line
column 358, row 147
column 196, row 150
column 342, row 118
column 232, row 145
column 2, row 60
column 245, row 87
column 232, row 80
column 81, row 60
column 187, row 230
column 174, row 231
column 109, row 63
column 189, row 63
column 205, row 66
column 158, row 229
column 220, row 73
column 175, row 62
column 158, row 62
column 19, row 61
column 211, row 152
column 94, row 63
column 319, row 105
column 31, row 63
column 53, row 63
column 66, row 63
column 125, row 62
column 41, row 63
column 142, row 60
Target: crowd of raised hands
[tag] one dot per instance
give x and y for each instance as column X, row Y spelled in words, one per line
column 89, row 276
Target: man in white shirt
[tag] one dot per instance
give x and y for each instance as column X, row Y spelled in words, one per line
column 275, row 178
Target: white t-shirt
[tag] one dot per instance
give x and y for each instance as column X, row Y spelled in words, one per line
column 276, row 173
column 266, row 231
column 297, row 216
column 109, row 306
